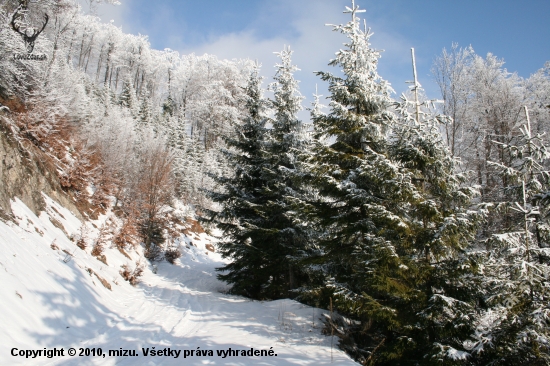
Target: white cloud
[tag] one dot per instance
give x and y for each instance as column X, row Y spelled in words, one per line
column 107, row 12
column 313, row 42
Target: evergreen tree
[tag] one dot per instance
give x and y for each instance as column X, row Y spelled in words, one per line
column 286, row 236
column 389, row 211
column 241, row 218
column 169, row 107
column 192, row 169
column 518, row 272
column 145, row 116
column 264, row 265
column 446, row 277
column 128, row 99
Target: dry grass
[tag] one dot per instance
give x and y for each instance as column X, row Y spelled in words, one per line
column 81, row 243
column 103, row 281
column 193, row 227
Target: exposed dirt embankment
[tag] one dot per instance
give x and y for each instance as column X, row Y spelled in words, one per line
column 24, row 173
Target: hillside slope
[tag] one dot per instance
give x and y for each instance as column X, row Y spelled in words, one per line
column 25, row 172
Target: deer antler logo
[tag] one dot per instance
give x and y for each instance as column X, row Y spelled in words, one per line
column 29, row 34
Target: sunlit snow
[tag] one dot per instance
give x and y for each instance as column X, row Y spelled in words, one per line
column 49, row 300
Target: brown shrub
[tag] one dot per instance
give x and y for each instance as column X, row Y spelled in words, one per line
column 127, row 235
column 153, row 252
column 81, row 237
column 132, row 276
column 81, row 243
column 171, row 254
column 98, row 250
column 193, row 227
column 102, row 241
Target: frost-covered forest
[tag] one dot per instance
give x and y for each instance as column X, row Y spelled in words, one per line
column 420, row 222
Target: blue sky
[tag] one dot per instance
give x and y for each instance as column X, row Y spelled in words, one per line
column 517, row 31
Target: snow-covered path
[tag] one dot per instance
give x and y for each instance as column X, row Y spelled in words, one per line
column 49, row 302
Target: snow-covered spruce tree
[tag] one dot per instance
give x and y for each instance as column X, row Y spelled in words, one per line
column 144, row 118
column 285, row 235
column 265, row 239
column 446, row 274
column 128, row 99
column 389, row 213
column 515, row 329
column 241, row 218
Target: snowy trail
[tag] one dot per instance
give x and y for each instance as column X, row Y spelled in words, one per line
column 49, row 303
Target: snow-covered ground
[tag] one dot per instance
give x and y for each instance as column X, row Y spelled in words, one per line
column 49, row 299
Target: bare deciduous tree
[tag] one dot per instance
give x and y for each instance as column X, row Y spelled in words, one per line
column 154, row 191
